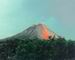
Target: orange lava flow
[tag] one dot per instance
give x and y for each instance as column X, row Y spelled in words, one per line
column 45, row 33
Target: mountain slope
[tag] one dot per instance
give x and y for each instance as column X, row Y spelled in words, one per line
column 37, row 31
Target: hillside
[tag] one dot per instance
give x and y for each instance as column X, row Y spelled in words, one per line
column 36, row 49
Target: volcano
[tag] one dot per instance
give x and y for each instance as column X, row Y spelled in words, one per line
column 37, row 31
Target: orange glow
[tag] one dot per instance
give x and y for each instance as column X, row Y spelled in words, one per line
column 44, row 32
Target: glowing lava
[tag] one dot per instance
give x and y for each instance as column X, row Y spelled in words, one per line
column 44, row 32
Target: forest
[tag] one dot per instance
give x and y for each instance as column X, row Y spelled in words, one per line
column 37, row 49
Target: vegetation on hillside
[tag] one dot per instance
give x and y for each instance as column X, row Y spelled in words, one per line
column 36, row 49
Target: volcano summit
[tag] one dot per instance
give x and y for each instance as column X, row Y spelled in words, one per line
column 37, row 31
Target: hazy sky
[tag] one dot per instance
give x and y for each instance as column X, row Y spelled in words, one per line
column 17, row 15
